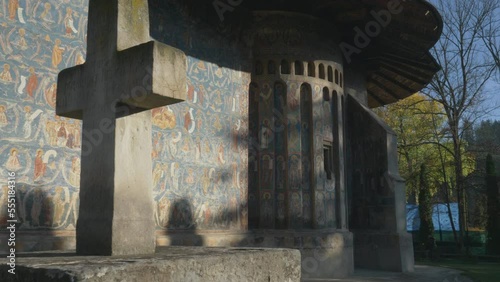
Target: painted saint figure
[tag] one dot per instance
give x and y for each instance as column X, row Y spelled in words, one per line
column 21, row 43
column 47, row 14
column 62, row 134
column 50, row 95
column 69, row 23
column 13, row 163
column 74, row 173
column 40, row 167
column 13, row 7
column 57, row 53
column 5, row 75
column 3, row 117
column 59, row 201
column 29, row 118
column 32, row 83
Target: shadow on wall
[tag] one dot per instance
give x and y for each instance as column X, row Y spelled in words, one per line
column 180, row 219
column 182, row 229
column 39, row 212
column 195, row 28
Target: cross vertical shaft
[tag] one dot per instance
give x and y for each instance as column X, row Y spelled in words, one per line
column 125, row 74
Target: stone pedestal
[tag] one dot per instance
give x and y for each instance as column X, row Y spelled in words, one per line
column 168, row 264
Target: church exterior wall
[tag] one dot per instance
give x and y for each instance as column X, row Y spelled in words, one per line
column 204, row 162
column 199, row 146
column 37, row 41
column 377, row 195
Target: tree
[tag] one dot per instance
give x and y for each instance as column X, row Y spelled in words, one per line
column 415, row 120
column 459, row 87
column 493, row 208
column 420, row 124
column 424, row 207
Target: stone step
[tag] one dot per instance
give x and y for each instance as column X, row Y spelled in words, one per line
column 168, row 264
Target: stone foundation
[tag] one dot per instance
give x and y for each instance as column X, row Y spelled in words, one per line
column 168, row 264
column 325, row 253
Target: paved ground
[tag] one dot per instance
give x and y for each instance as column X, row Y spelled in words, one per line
column 422, row 274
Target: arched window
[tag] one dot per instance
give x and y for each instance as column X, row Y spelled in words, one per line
column 321, row 71
column 330, row 74
column 271, row 67
column 299, row 68
column 285, row 67
column 341, row 80
column 306, row 136
column 280, row 155
column 253, row 157
column 259, row 69
column 311, row 69
column 338, row 113
column 326, row 94
column 337, row 77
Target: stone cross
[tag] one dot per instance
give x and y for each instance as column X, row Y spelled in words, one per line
column 125, row 74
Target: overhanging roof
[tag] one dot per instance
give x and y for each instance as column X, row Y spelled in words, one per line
column 398, row 62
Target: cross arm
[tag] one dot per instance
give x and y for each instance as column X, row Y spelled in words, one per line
column 152, row 75
column 70, row 92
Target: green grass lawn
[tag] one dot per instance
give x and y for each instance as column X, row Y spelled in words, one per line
column 478, row 271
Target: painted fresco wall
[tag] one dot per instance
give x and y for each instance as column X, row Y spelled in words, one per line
column 199, row 146
column 37, row 40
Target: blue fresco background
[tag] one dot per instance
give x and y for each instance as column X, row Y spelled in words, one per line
column 199, row 146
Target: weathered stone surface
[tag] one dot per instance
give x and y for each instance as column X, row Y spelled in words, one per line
column 169, row 264
column 125, row 74
column 378, row 215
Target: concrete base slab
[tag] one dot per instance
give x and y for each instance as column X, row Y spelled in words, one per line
column 168, row 264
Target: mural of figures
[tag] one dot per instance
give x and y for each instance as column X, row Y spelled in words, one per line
column 34, row 48
column 199, row 146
